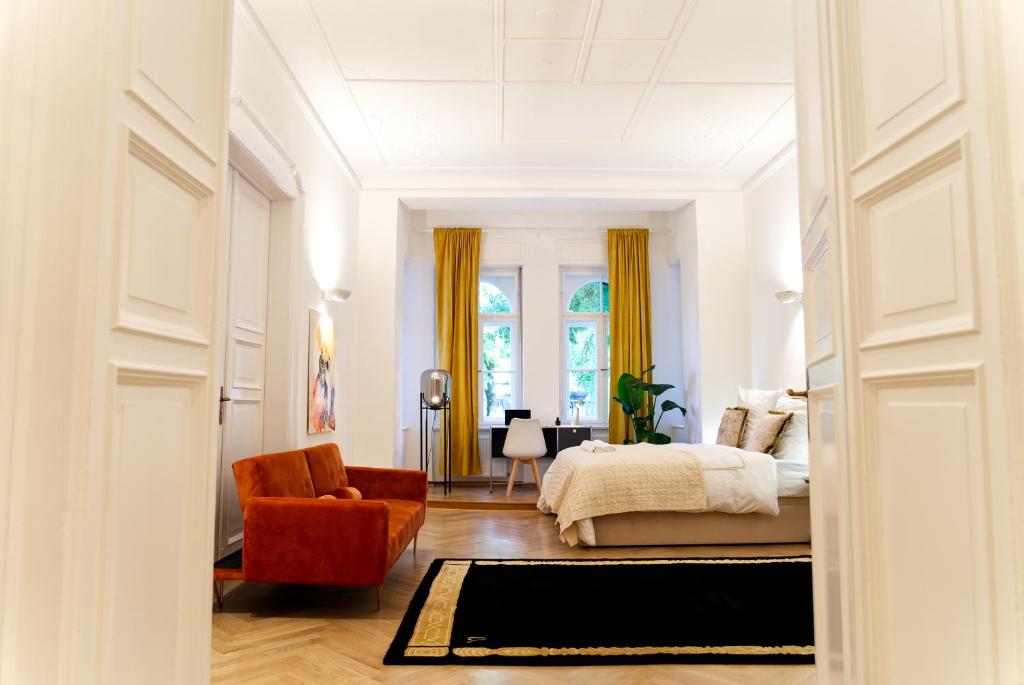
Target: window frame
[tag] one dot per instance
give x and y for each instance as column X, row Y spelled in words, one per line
column 515, row 320
column 603, row 323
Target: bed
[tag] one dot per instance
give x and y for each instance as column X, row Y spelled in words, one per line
column 677, row 494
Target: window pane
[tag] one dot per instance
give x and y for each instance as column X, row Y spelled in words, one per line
column 587, row 298
column 496, row 347
column 581, row 348
column 581, row 389
column 492, row 300
column 498, row 393
column 497, row 293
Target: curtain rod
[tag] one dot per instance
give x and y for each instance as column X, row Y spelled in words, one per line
column 430, row 229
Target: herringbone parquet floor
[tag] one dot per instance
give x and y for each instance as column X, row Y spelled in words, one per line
column 292, row 634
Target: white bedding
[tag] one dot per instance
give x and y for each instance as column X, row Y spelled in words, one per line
column 736, row 481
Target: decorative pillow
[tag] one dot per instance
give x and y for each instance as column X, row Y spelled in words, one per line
column 793, row 443
column 327, row 497
column 766, row 432
column 348, row 492
column 758, row 403
column 730, row 431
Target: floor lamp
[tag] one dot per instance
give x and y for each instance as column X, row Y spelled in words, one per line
column 435, row 396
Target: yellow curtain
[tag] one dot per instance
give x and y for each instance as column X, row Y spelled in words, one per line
column 457, row 269
column 629, row 295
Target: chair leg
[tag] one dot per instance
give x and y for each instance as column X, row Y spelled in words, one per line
column 536, row 473
column 380, row 596
column 511, row 478
column 218, row 594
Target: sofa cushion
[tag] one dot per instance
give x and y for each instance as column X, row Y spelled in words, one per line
column 282, row 474
column 326, row 468
column 347, row 492
column 405, row 518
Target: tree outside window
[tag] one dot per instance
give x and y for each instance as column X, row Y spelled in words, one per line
column 499, row 344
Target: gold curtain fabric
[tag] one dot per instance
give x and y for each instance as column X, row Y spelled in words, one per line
column 457, row 269
column 629, row 294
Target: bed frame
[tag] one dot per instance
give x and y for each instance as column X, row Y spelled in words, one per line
column 792, row 525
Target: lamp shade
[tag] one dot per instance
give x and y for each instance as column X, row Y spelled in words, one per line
column 436, row 387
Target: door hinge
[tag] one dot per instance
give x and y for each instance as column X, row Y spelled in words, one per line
column 220, row 406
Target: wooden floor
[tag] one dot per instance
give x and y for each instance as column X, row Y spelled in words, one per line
column 294, row 634
column 523, row 497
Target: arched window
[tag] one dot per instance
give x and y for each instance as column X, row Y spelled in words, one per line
column 585, row 346
column 500, row 369
column 493, row 300
column 590, row 297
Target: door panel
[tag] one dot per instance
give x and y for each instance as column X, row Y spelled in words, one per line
column 823, row 336
column 159, row 345
column 246, row 350
column 918, row 262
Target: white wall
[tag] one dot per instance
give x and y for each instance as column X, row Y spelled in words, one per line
column 684, row 225
column 540, row 243
column 771, row 217
column 715, row 307
column 322, row 247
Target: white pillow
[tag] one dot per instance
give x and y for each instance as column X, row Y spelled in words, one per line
column 758, row 403
column 793, row 444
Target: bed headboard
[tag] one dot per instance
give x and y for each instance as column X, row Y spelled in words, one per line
column 796, row 393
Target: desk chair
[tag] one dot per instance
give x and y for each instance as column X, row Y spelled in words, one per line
column 525, row 443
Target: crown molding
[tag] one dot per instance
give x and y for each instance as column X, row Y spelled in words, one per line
column 248, row 15
column 771, row 166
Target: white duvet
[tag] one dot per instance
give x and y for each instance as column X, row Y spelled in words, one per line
column 735, row 481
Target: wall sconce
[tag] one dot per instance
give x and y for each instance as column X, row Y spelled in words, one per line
column 789, row 296
column 336, row 295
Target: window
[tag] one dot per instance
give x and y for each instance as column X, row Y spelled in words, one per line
column 586, row 345
column 500, row 368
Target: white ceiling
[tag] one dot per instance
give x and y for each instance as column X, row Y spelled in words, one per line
column 621, row 85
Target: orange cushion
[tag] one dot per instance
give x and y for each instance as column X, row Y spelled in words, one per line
column 326, row 468
column 283, row 474
column 404, row 520
column 347, row 493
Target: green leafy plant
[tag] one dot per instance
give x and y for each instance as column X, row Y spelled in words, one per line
column 638, row 396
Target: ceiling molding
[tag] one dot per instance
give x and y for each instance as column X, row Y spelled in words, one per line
column 418, row 107
column 774, row 164
column 499, row 70
column 341, row 75
column 547, row 182
column 593, row 15
column 249, row 16
column 666, row 54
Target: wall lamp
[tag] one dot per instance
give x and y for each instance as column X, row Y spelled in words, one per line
column 789, row 296
column 336, row 295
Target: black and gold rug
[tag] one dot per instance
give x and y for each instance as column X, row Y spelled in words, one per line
column 609, row 611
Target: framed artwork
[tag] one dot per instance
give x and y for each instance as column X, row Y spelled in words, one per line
column 320, row 411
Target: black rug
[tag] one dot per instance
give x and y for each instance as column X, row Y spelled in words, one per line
column 609, row 611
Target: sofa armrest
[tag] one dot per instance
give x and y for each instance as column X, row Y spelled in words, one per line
column 377, row 483
column 315, row 541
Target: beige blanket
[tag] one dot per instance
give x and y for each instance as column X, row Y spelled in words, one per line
column 632, row 478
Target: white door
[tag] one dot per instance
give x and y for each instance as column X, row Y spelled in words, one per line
column 114, row 127
column 923, row 574
column 245, row 350
column 823, row 338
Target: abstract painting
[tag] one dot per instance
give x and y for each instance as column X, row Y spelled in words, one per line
column 320, row 414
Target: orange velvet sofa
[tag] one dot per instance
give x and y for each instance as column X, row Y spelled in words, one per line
column 291, row 536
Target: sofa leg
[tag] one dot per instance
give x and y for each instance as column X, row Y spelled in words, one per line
column 380, row 596
column 415, row 539
column 218, row 594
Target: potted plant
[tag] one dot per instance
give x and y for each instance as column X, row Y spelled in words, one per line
column 638, row 397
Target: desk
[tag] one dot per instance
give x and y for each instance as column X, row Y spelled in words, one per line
column 557, row 438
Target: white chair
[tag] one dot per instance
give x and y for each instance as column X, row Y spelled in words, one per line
column 524, row 443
